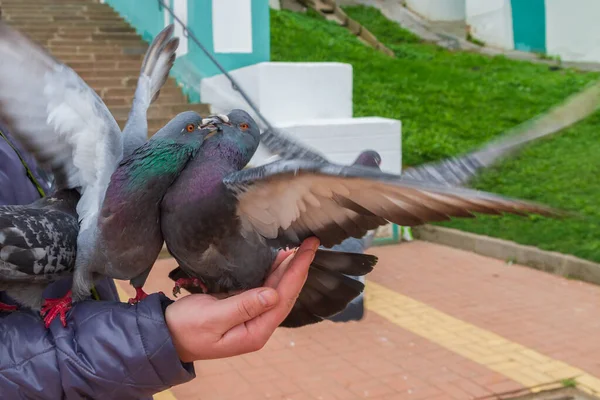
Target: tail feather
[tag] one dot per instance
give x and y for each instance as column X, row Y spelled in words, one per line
column 346, row 263
column 159, row 60
column 460, row 170
column 328, row 290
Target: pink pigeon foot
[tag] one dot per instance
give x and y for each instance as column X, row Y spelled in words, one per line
column 57, row 307
column 188, row 282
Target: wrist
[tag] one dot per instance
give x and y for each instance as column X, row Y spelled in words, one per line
column 175, row 330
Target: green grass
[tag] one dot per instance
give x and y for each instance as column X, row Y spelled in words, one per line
column 451, row 102
column 569, row 383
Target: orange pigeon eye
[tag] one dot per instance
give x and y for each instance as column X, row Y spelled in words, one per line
column 190, row 127
column 244, row 126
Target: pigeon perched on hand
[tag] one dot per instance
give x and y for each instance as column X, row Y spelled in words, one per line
column 69, row 129
column 224, row 224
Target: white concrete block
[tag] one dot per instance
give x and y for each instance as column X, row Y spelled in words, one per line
column 285, row 91
column 439, row 10
column 572, row 29
column 491, row 22
column 342, row 140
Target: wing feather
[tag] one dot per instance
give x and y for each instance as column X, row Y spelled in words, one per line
column 58, row 118
column 290, row 200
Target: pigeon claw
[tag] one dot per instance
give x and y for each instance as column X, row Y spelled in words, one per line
column 188, row 282
column 57, row 307
column 139, row 296
column 7, row 307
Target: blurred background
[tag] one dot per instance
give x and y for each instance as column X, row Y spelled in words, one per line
column 496, row 307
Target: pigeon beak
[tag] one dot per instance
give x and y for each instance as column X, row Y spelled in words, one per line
column 216, row 119
column 212, row 133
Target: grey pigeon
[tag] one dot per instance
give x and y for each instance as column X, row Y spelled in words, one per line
column 224, row 224
column 69, row 129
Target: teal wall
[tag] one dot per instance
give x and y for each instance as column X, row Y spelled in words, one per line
column 189, row 69
column 147, row 20
column 529, row 25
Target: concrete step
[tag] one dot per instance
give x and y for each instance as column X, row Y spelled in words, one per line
column 134, row 41
column 44, row 29
column 119, row 81
column 69, row 58
column 86, row 36
column 47, row 10
column 121, row 100
column 40, row 6
column 83, row 65
column 48, row 2
column 127, row 101
column 128, row 92
column 95, row 48
column 107, row 73
column 109, row 23
column 157, row 110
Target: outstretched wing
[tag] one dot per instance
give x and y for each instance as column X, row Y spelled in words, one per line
column 155, row 70
column 288, row 201
column 58, row 118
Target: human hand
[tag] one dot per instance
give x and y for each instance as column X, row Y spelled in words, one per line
column 203, row 327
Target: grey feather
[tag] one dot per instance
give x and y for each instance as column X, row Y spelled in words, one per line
column 38, row 245
column 155, row 70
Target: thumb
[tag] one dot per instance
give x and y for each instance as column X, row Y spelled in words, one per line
column 243, row 307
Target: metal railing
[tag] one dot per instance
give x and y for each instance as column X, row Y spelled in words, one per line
column 234, row 84
column 275, row 141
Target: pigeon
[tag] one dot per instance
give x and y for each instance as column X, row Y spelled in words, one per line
column 69, row 129
column 368, row 158
column 225, row 224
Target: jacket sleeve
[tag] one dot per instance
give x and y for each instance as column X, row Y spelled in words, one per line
column 108, row 350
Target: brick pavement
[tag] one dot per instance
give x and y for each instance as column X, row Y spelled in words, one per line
column 441, row 324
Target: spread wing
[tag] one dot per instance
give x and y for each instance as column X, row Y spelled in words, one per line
column 155, row 70
column 290, row 200
column 58, row 118
column 36, row 244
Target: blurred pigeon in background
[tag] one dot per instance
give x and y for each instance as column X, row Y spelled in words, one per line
column 224, row 224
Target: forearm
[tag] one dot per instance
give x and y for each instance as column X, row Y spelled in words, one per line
column 108, row 349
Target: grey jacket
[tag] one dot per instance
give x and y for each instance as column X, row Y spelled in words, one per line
column 108, row 350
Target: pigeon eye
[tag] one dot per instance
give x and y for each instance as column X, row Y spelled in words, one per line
column 190, row 128
column 244, row 126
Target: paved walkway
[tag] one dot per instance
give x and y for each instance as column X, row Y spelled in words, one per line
column 441, row 324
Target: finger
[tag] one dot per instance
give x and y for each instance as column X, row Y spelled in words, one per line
column 236, row 310
column 290, row 286
column 277, row 273
column 281, row 257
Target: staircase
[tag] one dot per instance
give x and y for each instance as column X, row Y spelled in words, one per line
column 101, row 47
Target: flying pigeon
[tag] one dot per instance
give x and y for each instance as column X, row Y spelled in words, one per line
column 224, row 224
column 69, row 129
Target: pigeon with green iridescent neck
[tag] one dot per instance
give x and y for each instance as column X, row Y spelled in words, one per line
column 69, row 130
column 225, row 224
